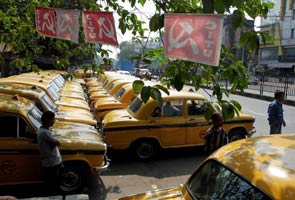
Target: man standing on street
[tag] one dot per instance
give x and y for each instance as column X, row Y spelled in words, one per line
column 275, row 113
column 51, row 159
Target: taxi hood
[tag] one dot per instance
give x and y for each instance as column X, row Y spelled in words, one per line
column 119, row 117
column 102, row 104
column 79, row 137
column 70, row 116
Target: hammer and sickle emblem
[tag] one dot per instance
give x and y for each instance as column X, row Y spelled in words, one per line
column 175, row 42
column 7, row 167
column 109, row 32
column 48, row 22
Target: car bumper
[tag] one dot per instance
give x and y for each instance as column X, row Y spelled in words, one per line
column 102, row 168
column 251, row 132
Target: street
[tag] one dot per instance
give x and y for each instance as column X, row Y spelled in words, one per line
column 174, row 167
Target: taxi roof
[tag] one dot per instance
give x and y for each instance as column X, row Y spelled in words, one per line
column 265, row 161
column 14, row 104
column 20, row 89
column 174, row 94
column 26, row 80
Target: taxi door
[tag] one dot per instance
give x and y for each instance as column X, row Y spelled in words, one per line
column 20, row 160
column 168, row 124
column 196, row 122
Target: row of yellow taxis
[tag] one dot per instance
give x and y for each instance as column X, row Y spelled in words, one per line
column 23, row 98
column 253, row 168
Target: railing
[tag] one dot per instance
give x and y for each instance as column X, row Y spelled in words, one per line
column 271, row 84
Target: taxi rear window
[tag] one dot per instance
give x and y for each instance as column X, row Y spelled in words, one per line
column 135, row 105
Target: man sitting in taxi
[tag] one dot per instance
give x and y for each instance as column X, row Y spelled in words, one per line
column 169, row 110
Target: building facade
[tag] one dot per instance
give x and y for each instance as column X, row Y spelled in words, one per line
column 279, row 56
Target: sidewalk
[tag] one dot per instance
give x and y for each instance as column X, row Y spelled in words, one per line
column 268, row 96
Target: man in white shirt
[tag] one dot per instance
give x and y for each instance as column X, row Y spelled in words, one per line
column 48, row 146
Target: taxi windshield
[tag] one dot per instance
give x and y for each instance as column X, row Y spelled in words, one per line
column 135, row 104
column 35, row 117
column 48, row 103
column 215, row 181
column 120, row 93
column 53, row 93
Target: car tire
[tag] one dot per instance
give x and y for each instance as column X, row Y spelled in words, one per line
column 74, row 178
column 236, row 135
column 145, row 149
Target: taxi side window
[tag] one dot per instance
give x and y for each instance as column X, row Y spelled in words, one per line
column 173, row 108
column 194, row 107
column 8, row 126
column 11, row 124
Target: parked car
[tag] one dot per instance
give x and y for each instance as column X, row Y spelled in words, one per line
column 259, row 168
column 82, row 148
column 180, row 124
column 252, row 80
column 44, row 103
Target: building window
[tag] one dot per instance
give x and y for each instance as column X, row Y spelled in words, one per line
column 292, row 33
column 293, row 13
column 268, row 54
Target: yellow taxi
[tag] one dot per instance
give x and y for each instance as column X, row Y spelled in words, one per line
column 179, row 122
column 83, row 150
column 72, row 90
column 110, row 90
column 121, row 99
column 51, row 91
column 260, row 168
column 44, row 103
column 107, row 81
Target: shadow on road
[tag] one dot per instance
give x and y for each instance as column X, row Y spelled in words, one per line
column 179, row 161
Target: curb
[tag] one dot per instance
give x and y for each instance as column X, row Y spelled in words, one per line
column 266, row 98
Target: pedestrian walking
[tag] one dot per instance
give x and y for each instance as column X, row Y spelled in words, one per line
column 215, row 137
column 275, row 113
column 51, row 160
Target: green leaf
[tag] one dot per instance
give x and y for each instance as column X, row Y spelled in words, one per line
column 207, row 111
column 133, row 3
column 155, row 22
column 228, row 111
column 237, row 19
column 252, row 43
column 244, row 38
column 156, row 94
column 137, row 86
column 236, row 104
column 178, row 82
column 161, row 87
column 145, row 93
column 219, row 6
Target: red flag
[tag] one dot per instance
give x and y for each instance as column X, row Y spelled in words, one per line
column 45, row 21
column 193, row 37
column 68, row 24
column 99, row 27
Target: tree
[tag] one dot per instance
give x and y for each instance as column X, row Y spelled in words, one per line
column 126, row 50
column 32, row 50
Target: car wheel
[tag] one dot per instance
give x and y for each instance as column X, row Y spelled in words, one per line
column 236, row 135
column 145, row 149
column 74, row 179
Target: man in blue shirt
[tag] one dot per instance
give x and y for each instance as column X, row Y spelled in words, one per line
column 275, row 113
